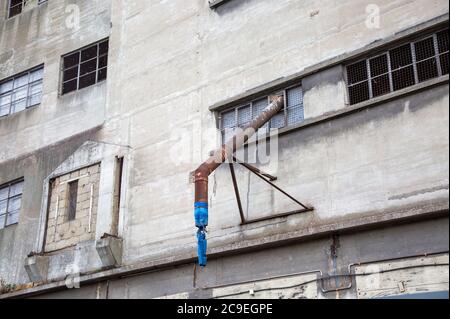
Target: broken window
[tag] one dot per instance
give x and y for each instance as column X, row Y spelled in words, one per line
column 10, row 203
column 21, row 91
column 16, row 7
column 398, row 68
column 291, row 114
column 85, row 67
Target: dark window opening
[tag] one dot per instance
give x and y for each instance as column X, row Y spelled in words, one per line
column 72, row 200
column 16, row 7
column 399, row 68
column 85, row 67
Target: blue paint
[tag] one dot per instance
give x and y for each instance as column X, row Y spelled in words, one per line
column 201, row 221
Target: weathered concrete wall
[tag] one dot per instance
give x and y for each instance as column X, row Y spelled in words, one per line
column 42, row 36
column 421, row 245
column 187, row 58
column 169, row 61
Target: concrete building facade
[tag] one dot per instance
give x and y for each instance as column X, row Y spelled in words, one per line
column 108, row 106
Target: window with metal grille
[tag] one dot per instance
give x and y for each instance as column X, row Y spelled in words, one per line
column 85, row 67
column 21, row 91
column 16, row 7
column 398, row 68
column 10, row 203
column 240, row 116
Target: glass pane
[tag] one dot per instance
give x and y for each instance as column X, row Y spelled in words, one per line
column 35, row 88
column 34, row 99
column 21, row 81
column 70, row 73
column 427, row 69
column 443, row 41
column 103, row 47
column 36, row 75
column 71, row 60
column 88, row 67
column 244, row 116
column 277, row 121
column 294, row 97
column 258, row 107
column 6, row 86
column 20, row 93
column 295, row 115
column 357, row 72
column 380, row 85
column 3, row 204
column 69, row 86
column 424, row 49
column 4, row 193
column 444, row 63
column 228, row 119
column 102, row 61
column 401, row 56
column 102, row 73
column 359, row 92
column 12, row 218
column 378, row 65
column 87, row 80
column 5, row 99
column 19, row 105
column 403, row 78
column 2, row 221
column 89, row 53
column 14, row 204
column 16, row 189
column 4, row 110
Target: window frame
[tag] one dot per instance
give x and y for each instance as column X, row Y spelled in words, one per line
column 9, row 198
column 29, row 85
column 267, row 127
column 78, row 66
column 8, row 8
column 411, row 41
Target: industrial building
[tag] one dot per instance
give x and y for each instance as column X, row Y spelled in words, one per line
column 108, row 108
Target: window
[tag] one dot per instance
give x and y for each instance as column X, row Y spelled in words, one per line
column 85, row 67
column 398, row 68
column 17, row 6
column 20, row 92
column 243, row 115
column 72, row 200
column 10, row 203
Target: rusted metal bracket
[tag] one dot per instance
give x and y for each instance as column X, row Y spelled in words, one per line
column 268, row 179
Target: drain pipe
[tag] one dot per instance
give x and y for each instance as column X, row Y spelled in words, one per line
column 211, row 164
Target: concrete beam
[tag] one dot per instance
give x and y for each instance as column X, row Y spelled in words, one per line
column 109, row 250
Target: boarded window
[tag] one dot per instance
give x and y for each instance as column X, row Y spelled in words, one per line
column 72, row 200
column 85, row 67
column 398, row 68
column 291, row 114
column 10, row 203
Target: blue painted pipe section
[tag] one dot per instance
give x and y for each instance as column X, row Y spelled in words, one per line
column 201, row 248
column 201, row 221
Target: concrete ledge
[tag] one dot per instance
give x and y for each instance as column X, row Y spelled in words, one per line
column 36, row 267
column 109, row 250
column 352, row 224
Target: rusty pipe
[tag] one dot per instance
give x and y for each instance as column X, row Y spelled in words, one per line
column 214, row 161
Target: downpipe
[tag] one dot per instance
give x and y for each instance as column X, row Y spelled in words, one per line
column 219, row 156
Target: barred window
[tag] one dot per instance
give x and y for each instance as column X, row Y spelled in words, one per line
column 241, row 116
column 85, row 67
column 398, row 68
column 16, row 7
column 21, row 91
column 10, row 203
